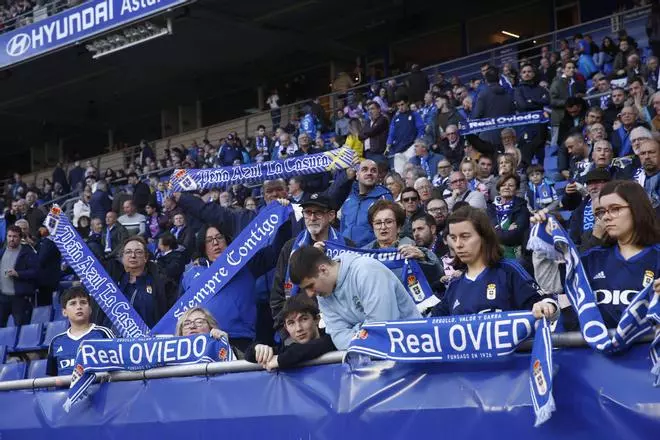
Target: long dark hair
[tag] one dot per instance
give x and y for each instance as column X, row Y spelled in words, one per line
column 646, row 228
column 490, row 244
column 201, row 239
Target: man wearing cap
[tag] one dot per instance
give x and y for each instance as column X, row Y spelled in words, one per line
column 318, row 214
column 583, row 229
column 229, row 151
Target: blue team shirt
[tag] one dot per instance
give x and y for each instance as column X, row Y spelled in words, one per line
column 63, row 348
column 506, row 286
column 615, row 280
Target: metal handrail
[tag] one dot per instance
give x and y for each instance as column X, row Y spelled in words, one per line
column 559, row 340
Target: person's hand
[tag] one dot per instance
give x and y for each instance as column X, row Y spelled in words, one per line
column 284, row 202
column 272, row 364
column 263, row 354
column 540, row 216
column 571, row 188
column 616, row 125
column 656, row 286
column 543, row 309
column 12, row 273
column 320, row 245
column 512, row 226
column 455, row 193
column 216, row 333
column 410, row 251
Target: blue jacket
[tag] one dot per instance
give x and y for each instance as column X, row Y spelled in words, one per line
column 404, row 129
column 228, row 154
column 99, row 205
column 308, row 125
column 433, row 159
column 354, row 223
column 27, row 267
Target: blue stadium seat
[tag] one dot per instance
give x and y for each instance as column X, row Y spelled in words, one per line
column 10, row 321
column 3, row 354
column 41, row 315
column 30, row 337
column 8, row 336
column 37, row 369
column 53, row 329
column 14, row 371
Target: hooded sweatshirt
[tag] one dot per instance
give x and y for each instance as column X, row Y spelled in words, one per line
column 366, row 291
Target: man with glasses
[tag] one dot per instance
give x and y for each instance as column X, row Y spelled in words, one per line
column 318, row 214
column 406, row 126
column 424, row 187
column 461, row 193
column 150, row 292
column 412, row 206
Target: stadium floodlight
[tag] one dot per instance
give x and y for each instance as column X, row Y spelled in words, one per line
column 128, row 37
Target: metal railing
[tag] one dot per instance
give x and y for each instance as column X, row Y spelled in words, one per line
column 464, row 67
column 559, row 340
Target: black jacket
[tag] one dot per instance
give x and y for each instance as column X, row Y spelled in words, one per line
column 173, row 264
column 118, row 235
column 529, row 96
column 290, row 355
column 376, row 133
column 35, row 216
column 493, row 101
column 141, row 195
column 99, row 205
column 519, row 215
column 50, row 263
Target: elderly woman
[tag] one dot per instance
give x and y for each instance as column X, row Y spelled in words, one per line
column 509, row 215
column 197, row 321
column 387, row 218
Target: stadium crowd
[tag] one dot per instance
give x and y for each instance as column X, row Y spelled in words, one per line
column 460, row 204
column 17, row 13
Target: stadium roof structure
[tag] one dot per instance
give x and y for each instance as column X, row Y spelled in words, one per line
column 217, row 46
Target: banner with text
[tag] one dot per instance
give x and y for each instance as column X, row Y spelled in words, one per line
column 93, row 276
column 102, row 355
column 183, row 180
column 464, row 338
column 473, row 126
column 210, row 283
column 74, row 25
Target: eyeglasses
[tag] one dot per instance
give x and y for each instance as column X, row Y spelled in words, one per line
column 136, row 252
column 613, row 211
column 309, row 213
column 218, row 238
column 410, row 199
column 389, row 222
column 199, row 322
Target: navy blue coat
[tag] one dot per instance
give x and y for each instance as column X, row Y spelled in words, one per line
column 519, row 215
column 50, row 263
column 27, row 267
column 99, row 205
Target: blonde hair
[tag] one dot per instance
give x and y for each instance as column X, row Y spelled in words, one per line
column 211, row 320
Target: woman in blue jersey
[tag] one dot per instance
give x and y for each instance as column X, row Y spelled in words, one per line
column 489, row 282
column 629, row 259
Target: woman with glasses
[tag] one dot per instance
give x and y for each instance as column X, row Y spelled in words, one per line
column 629, row 259
column 509, row 215
column 487, row 282
column 197, row 321
column 150, row 292
column 387, row 219
column 234, row 307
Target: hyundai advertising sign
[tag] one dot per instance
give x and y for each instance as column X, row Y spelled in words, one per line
column 75, row 25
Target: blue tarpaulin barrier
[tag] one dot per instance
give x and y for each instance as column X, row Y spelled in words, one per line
column 597, row 398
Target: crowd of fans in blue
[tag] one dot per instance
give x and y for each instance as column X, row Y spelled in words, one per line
column 460, row 205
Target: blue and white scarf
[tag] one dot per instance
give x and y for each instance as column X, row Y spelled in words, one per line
column 93, row 276
column 210, row 283
column 412, row 276
column 463, row 338
column 544, row 194
column 550, row 240
column 305, row 239
column 473, row 126
column 199, row 179
column 503, row 210
column 588, row 218
column 103, row 355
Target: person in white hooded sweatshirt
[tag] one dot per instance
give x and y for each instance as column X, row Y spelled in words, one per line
column 351, row 290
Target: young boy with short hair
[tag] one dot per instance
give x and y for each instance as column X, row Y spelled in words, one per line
column 541, row 191
column 77, row 308
column 301, row 320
